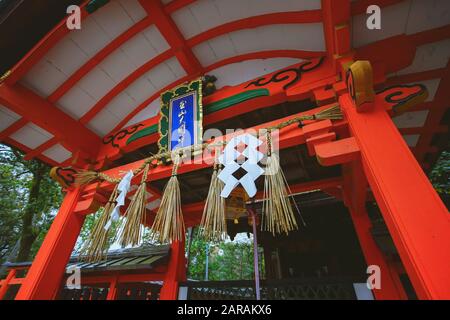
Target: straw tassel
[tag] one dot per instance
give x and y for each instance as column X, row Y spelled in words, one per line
column 169, row 224
column 332, row 113
column 213, row 226
column 85, row 177
column 96, row 246
column 277, row 212
column 132, row 229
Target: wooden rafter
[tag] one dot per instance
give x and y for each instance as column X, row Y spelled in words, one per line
column 44, row 114
column 173, row 36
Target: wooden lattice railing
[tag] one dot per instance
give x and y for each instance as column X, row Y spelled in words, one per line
column 286, row 289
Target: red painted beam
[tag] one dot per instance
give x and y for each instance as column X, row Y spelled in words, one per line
column 311, row 16
column 416, row 218
column 113, row 45
column 5, row 283
column 13, row 128
column 355, row 190
column 337, row 152
column 99, row 57
column 175, row 5
column 249, row 56
column 55, row 35
column 44, row 114
column 415, row 77
column 44, row 277
column 124, row 84
column 24, row 148
column 48, row 144
column 430, row 36
column 173, row 36
column 336, row 14
column 176, row 272
column 289, row 136
column 300, row 54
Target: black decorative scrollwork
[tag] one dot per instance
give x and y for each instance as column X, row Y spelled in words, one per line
column 402, row 97
column 283, row 75
column 402, row 93
column 66, row 174
column 120, row 135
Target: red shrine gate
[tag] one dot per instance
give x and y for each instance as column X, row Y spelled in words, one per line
column 416, row 217
column 374, row 157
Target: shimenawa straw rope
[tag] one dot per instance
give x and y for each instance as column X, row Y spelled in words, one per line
column 169, row 224
column 213, row 225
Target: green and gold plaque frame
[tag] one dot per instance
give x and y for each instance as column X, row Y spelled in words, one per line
column 167, row 98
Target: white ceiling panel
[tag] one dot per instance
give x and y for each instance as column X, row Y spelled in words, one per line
column 43, row 70
column 97, row 83
column 176, row 67
column 139, row 50
column 163, row 75
column 411, row 139
column 76, row 48
column 428, row 14
column 7, row 117
column 307, row 37
column 186, row 22
column 113, row 19
column 57, row 153
column 432, row 87
column 31, row 136
column 91, row 38
column 393, row 22
column 121, row 105
column 76, row 102
column 232, row 10
column 103, row 123
column 149, row 112
column 206, row 55
column 414, row 119
column 429, row 57
column 133, row 9
column 141, row 89
column 117, row 65
column 156, row 39
column 67, row 56
column 203, row 15
column 222, row 47
column 121, row 63
column 236, row 73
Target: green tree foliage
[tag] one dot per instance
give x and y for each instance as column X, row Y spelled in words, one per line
column 88, row 225
column 229, row 260
column 29, row 199
column 440, row 175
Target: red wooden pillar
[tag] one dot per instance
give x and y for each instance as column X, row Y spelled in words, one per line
column 176, row 272
column 6, row 281
column 112, row 292
column 417, row 220
column 47, row 271
column 355, row 197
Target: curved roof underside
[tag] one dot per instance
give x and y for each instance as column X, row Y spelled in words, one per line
column 110, row 74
